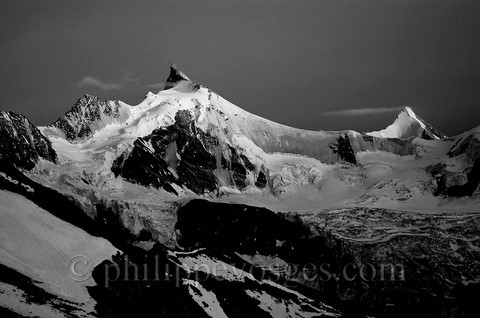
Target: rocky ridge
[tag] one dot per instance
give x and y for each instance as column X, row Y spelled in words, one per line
column 88, row 115
column 22, row 144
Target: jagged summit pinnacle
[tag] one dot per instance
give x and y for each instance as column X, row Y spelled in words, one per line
column 175, row 76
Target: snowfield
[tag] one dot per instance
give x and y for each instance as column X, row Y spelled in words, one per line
column 39, row 245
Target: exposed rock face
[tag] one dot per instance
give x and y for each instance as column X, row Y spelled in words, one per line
column 88, row 115
column 401, row 147
column 348, row 144
column 469, row 144
column 184, row 155
column 174, row 289
column 359, row 259
column 469, row 187
column 427, row 131
column 175, row 76
column 261, row 180
column 466, row 181
column 22, row 144
column 431, row 132
column 343, row 149
column 456, row 183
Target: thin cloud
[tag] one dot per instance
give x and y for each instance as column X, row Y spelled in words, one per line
column 89, row 81
column 363, row 111
column 157, row 86
column 129, row 78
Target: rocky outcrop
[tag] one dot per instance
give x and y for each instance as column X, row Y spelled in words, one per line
column 185, row 156
column 468, row 143
column 88, row 115
column 175, row 77
column 431, row 132
column 21, row 143
column 349, row 143
column 343, row 149
column 363, row 142
column 454, row 182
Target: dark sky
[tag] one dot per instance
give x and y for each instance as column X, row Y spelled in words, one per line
column 301, row 63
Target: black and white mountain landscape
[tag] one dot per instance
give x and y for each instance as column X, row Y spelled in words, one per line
column 186, row 205
column 312, row 158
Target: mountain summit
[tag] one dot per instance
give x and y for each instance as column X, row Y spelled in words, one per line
column 88, row 115
column 175, row 76
column 408, row 124
column 191, row 141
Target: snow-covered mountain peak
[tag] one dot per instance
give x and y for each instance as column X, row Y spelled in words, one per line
column 88, row 115
column 407, row 115
column 409, row 111
column 407, row 125
column 176, row 135
column 175, row 76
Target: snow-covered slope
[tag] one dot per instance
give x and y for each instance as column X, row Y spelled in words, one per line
column 42, row 247
column 158, row 110
column 408, row 125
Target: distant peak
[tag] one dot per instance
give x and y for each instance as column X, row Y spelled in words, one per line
column 407, row 125
column 175, row 76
